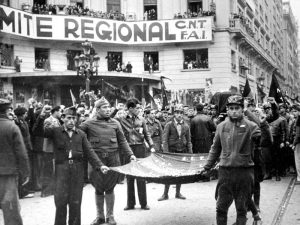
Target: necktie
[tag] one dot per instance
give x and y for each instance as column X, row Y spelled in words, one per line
column 179, row 128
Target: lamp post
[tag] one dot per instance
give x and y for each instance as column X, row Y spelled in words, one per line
column 261, row 81
column 87, row 63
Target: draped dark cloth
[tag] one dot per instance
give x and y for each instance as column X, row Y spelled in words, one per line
column 166, row 168
column 220, row 99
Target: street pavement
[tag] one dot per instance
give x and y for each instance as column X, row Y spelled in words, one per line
column 197, row 209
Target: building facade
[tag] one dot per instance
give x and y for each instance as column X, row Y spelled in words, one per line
column 291, row 63
column 202, row 46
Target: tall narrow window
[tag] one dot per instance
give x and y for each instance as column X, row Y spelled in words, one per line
column 114, row 61
column 195, row 6
column 7, row 54
column 70, row 58
column 151, row 61
column 42, row 59
column 150, row 9
column 113, row 6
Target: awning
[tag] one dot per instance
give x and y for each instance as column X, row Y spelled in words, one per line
column 166, row 168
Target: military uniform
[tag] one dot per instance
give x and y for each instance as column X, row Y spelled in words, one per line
column 70, row 149
column 136, row 131
column 107, row 139
column 156, row 131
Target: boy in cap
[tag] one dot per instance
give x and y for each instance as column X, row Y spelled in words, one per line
column 70, row 148
column 176, row 139
column 107, row 139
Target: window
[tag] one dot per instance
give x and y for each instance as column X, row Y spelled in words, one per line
column 242, row 87
column 6, row 54
column 114, row 61
column 113, row 6
column 151, row 61
column 233, row 60
column 150, row 9
column 195, row 6
column 195, row 59
column 4, row 2
column 78, row 3
column 40, row 2
column 70, row 58
column 242, row 66
column 42, row 59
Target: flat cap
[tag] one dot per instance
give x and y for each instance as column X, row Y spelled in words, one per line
column 71, row 111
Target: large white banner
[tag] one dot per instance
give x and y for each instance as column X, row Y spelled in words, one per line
column 74, row 28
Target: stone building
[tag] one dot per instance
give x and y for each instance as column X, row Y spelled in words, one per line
column 203, row 46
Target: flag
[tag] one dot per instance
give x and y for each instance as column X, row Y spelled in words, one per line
column 164, row 94
column 247, row 90
column 166, row 168
column 275, row 90
column 73, row 98
column 149, row 99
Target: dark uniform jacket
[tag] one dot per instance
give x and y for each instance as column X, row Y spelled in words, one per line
column 22, row 124
column 173, row 142
column 234, row 143
column 202, row 129
column 135, row 130
column 278, row 130
column 156, row 133
column 77, row 144
column 13, row 156
column 106, row 135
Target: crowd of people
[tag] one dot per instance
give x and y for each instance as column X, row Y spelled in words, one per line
column 76, row 10
column 189, row 14
column 247, row 144
column 195, row 64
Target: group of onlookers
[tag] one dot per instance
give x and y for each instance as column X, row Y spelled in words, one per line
column 54, row 142
column 76, row 10
column 189, row 14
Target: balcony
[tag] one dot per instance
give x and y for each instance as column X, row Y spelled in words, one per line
column 241, row 30
column 240, row 24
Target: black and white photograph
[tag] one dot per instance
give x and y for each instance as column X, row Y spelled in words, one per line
column 145, row 112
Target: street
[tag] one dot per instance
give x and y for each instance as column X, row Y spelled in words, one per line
column 198, row 208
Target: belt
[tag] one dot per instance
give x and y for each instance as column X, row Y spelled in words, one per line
column 105, row 154
column 68, row 161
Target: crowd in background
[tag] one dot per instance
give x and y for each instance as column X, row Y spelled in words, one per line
column 189, row 14
column 76, row 10
column 198, row 124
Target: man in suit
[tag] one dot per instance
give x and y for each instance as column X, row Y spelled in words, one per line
column 176, row 139
column 202, row 128
column 136, row 132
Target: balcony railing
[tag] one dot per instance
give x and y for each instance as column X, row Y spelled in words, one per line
column 240, row 26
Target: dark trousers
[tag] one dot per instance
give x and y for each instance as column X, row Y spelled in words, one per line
column 139, row 152
column 47, row 174
column 277, row 156
column 235, row 184
column 9, row 200
column 36, row 170
column 69, row 181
